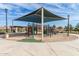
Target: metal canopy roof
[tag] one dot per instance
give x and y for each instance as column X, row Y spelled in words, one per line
column 35, row 16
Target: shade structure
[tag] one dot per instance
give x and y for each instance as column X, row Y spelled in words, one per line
column 40, row 15
column 35, row 16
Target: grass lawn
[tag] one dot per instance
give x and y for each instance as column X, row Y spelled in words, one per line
column 30, row 40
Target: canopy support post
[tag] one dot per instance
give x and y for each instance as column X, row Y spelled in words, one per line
column 42, row 21
column 68, row 25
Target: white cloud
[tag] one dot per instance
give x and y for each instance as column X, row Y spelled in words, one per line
column 3, row 6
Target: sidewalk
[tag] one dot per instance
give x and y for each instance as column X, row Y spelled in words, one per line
column 13, row 48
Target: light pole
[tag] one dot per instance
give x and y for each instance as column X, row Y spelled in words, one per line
column 6, row 20
column 6, row 35
column 68, row 25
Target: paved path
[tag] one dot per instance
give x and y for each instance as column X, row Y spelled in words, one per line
column 12, row 48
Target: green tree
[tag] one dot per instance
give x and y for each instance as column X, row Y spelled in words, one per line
column 66, row 28
column 77, row 27
column 54, row 26
column 70, row 28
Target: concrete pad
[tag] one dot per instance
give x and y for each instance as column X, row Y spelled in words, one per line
column 13, row 48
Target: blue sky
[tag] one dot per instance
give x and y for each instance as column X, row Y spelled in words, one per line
column 16, row 10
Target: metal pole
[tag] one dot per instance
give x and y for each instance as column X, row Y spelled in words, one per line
column 28, row 29
column 12, row 22
column 68, row 25
column 36, row 29
column 12, row 26
column 42, row 20
column 6, row 20
column 33, row 30
column 48, row 29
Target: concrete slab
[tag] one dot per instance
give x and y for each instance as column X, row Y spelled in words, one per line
column 13, row 48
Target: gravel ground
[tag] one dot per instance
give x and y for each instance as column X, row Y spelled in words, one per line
column 54, row 38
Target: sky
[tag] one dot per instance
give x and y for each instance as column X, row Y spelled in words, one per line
column 16, row 10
